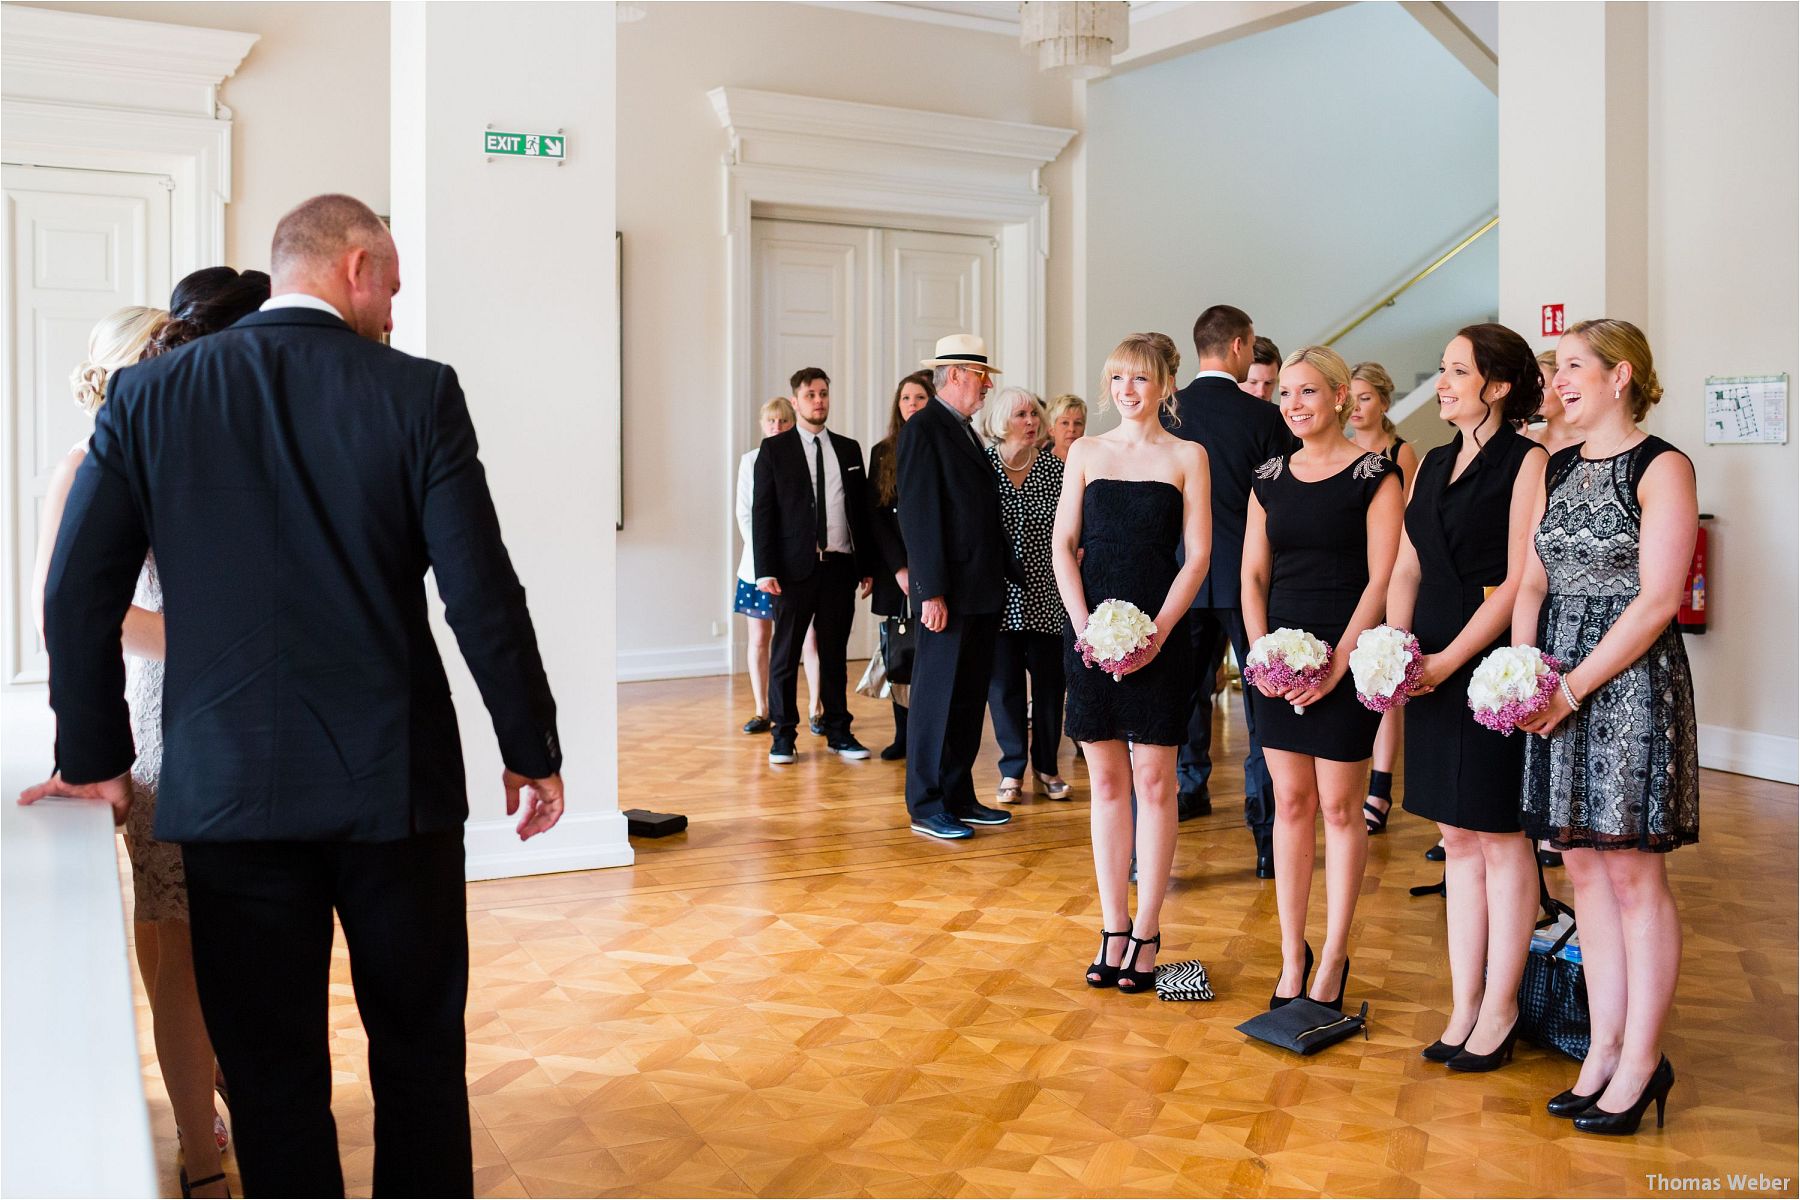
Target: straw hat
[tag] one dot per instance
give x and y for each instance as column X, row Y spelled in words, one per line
column 961, row 350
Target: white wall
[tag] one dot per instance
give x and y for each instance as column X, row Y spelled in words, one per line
column 1299, row 173
column 310, row 105
column 1724, row 272
column 674, row 562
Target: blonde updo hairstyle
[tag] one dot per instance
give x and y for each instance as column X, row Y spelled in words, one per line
column 1166, row 346
column 779, row 407
column 997, row 414
column 1139, row 354
column 117, row 341
column 1331, row 365
column 1376, row 376
column 1615, row 342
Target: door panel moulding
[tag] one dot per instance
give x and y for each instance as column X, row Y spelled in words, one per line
column 868, row 163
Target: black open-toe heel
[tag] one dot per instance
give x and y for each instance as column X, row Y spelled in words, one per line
column 1099, row 975
column 188, row 1185
column 1138, row 981
column 1277, row 1000
column 1337, row 1005
column 1376, row 818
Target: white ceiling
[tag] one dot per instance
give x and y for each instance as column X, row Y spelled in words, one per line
column 990, row 16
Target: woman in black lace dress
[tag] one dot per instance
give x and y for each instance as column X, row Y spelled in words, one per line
column 1319, row 544
column 1134, row 523
column 1613, row 779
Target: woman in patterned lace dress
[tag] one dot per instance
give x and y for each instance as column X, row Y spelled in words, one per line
column 1613, row 779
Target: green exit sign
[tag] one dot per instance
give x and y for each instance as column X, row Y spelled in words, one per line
column 525, row 145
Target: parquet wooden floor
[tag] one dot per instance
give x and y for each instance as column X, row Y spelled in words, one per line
column 801, row 997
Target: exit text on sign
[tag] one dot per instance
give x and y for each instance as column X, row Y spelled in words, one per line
column 525, row 145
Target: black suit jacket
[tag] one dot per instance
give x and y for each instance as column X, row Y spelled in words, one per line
column 782, row 526
column 295, row 482
column 956, row 545
column 1240, row 433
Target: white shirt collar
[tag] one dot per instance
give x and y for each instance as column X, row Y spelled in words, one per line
column 300, row 300
column 1225, row 375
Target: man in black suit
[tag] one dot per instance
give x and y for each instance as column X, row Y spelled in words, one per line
column 958, row 558
column 1240, row 433
column 296, row 479
column 809, row 528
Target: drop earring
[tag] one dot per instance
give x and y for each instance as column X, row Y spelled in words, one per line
column 1615, row 393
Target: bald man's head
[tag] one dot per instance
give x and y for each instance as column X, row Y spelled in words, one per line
column 335, row 248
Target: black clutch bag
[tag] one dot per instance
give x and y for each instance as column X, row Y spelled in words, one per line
column 1305, row 1026
column 899, row 639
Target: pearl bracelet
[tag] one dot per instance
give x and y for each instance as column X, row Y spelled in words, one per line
column 1569, row 694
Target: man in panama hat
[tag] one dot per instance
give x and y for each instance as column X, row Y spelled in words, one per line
column 959, row 559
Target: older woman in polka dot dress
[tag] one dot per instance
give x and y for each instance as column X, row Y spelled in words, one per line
column 1030, row 479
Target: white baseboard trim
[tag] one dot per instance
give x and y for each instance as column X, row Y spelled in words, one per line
column 1744, row 752
column 674, row 662
column 584, row 842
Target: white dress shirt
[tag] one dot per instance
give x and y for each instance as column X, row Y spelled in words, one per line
column 1225, row 375
column 300, row 300
column 837, row 518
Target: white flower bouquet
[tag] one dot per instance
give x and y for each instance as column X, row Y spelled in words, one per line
column 1286, row 659
column 1386, row 666
column 1117, row 639
column 1511, row 685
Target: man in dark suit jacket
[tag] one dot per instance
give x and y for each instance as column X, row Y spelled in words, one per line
column 809, row 528
column 1240, row 433
column 296, row 479
column 958, row 559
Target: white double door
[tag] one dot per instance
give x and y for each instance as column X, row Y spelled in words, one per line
column 79, row 246
column 866, row 305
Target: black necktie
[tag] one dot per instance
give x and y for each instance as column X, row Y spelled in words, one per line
column 819, row 492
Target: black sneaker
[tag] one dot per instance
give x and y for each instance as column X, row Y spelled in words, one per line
column 845, row 746
column 817, row 725
column 757, row 725
column 981, row 814
column 942, row 825
column 893, row 753
column 781, row 749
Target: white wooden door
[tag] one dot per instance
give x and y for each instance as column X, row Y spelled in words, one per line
column 936, row 284
column 79, row 245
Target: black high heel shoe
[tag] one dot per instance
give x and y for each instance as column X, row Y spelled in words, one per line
column 1571, row 1104
column 1099, row 975
column 1622, row 1124
column 1337, row 1005
column 1442, row 1051
column 1277, row 1000
column 1138, row 981
column 1487, row 1062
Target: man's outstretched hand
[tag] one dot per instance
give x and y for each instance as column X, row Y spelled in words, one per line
column 543, row 802
column 116, row 792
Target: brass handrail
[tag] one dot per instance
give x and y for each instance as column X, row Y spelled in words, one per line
column 1441, row 259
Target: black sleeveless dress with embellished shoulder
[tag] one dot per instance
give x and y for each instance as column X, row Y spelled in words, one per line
column 1130, row 540
column 1319, row 547
column 1458, row 772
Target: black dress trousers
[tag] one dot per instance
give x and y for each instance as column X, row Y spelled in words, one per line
column 261, row 920
column 951, row 671
column 825, row 600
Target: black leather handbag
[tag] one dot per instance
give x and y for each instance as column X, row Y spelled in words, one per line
column 899, row 640
column 1305, row 1026
column 1553, row 1000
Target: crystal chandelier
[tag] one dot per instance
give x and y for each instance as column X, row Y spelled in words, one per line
column 1076, row 38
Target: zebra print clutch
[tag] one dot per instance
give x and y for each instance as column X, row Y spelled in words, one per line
column 1183, row 981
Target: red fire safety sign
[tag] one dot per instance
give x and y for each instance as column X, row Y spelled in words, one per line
column 1553, row 320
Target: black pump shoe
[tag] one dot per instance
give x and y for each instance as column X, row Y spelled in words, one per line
column 1337, row 1005
column 1442, row 1051
column 1277, row 1000
column 1622, row 1124
column 1571, row 1104
column 1099, row 974
column 1134, row 981
column 1487, row 1062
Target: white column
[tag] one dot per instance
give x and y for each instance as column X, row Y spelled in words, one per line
column 1574, row 140
column 507, row 270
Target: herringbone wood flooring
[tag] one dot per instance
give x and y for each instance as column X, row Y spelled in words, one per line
column 801, row 997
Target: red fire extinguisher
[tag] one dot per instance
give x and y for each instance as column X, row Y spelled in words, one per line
column 1692, row 617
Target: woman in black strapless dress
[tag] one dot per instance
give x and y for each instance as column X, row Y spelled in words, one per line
column 1134, row 523
column 1319, row 544
column 1468, row 533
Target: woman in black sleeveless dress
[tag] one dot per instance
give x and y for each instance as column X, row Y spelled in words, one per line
column 1134, row 523
column 1613, row 780
column 1468, row 532
column 1319, row 545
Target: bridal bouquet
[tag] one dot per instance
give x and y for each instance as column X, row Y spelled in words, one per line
column 1386, row 666
column 1287, row 658
column 1511, row 685
column 1117, row 638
